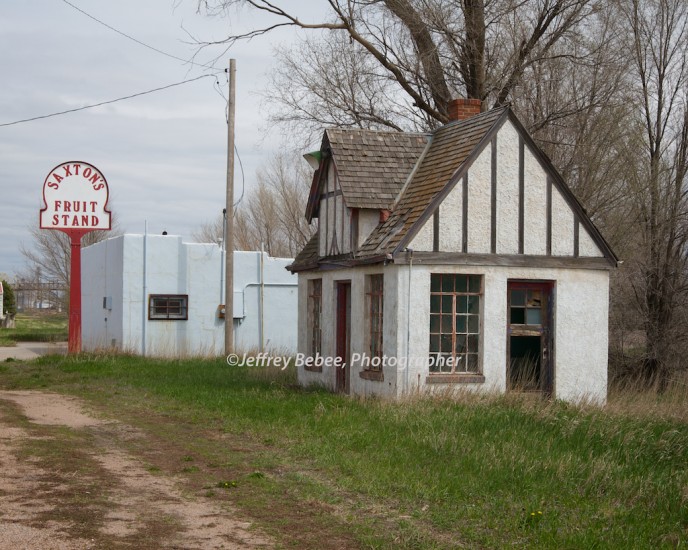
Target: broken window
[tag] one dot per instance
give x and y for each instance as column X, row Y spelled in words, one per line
column 315, row 316
column 172, row 307
column 455, row 323
column 375, row 297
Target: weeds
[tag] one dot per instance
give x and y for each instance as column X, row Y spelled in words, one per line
column 442, row 472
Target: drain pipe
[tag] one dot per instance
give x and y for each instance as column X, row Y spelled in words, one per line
column 144, row 317
column 409, row 254
column 262, row 298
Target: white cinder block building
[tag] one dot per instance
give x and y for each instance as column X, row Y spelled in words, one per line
column 452, row 259
column 157, row 295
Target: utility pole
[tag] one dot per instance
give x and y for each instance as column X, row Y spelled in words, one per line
column 229, row 237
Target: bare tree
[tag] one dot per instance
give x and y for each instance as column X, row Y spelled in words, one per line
column 658, row 43
column 272, row 214
column 430, row 50
column 50, row 251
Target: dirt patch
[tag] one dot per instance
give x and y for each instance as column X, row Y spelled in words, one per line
column 64, row 459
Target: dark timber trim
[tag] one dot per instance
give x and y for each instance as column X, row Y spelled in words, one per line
column 461, row 171
column 506, row 260
column 464, row 215
column 521, row 192
column 576, row 237
column 549, row 216
column 436, row 230
column 493, row 197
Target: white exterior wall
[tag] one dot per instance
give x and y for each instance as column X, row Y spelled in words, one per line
column 114, row 268
column 580, row 326
column 534, row 206
column 480, row 203
column 368, row 219
column 507, row 190
column 359, row 327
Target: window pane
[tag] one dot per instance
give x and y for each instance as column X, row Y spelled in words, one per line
column 446, row 343
column 473, row 324
column 474, row 283
column 518, row 297
column 461, row 304
column 447, row 304
column 472, row 362
column 534, row 298
column 533, row 317
column 518, row 316
column 434, row 343
column 460, row 346
column 447, row 324
column 461, row 283
column 447, row 283
column 461, row 324
column 474, row 304
column 435, row 304
column 434, row 323
column 435, row 283
column 473, row 343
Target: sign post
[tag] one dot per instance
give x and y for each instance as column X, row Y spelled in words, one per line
column 75, row 196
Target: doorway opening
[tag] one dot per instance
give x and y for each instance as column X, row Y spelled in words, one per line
column 530, row 367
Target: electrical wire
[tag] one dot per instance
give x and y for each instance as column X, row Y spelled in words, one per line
column 125, row 35
column 243, row 181
column 106, row 102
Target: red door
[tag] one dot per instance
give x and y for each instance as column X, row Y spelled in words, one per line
column 343, row 335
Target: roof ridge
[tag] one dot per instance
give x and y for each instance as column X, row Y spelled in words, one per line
column 392, row 132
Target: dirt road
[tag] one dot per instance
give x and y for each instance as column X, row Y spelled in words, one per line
column 66, row 483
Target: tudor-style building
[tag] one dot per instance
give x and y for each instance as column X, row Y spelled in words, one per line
column 452, row 259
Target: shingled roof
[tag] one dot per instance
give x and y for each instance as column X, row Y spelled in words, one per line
column 373, row 166
column 450, row 147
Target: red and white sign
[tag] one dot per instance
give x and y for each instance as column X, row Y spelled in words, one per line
column 75, row 195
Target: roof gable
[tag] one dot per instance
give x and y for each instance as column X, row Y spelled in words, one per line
column 451, row 153
column 452, row 147
column 371, row 166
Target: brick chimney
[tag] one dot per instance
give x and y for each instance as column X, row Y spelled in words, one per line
column 461, row 109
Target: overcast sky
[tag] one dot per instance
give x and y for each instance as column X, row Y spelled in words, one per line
column 163, row 154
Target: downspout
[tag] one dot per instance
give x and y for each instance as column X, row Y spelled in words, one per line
column 262, row 299
column 145, row 290
column 409, row 253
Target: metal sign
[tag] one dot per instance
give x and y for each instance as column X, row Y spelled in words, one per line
column 75, row 196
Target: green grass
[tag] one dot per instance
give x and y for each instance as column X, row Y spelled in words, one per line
column 421, row 473
column 35, row 327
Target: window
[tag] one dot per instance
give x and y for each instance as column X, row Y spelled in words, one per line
column 173, row 307
column 455, row 323
column 315, row 316
column 375, row 303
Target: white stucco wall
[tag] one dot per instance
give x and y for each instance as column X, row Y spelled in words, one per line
column 562, row 225
column 534, row 206
column 580, row 328
column 451, row 227
column 115, row 268
column 480, row 203
column 368, row 219
column 507, row 190
column 422, row 242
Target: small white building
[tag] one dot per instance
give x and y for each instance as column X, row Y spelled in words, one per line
column 449, row 260
column 157, row 295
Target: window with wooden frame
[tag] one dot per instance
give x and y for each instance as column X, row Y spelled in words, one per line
column 314, row 316
column 455, row 323
column 375, row 306
column 168, row 307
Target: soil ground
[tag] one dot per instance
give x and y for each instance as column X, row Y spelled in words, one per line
column 68, row 482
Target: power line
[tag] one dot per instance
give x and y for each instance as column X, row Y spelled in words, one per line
column 107, row 102
column 125, row 35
